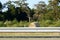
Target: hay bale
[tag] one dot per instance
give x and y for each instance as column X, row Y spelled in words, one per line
column 34, row 24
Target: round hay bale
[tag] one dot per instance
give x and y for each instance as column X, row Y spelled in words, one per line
column 34, row 24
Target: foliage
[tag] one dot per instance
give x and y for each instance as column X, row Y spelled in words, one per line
column 15, row 23
column 20, row 15
column 0, row 5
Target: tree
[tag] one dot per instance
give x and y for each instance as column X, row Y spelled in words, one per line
column 20, row 2
column 0, row 7
column 40, row 9
column 28, row 12
column 24, row 7
column 54, row 6
column 1, row 14
column 11, row 11
column 32, row 13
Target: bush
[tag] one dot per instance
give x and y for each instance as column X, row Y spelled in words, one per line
column 2, row 24
column 57, row 23
column 45, row 23
column 8, row 23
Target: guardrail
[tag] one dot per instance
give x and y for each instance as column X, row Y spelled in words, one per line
column 27, row 29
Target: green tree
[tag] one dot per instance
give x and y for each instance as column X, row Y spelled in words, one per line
column 0, row 7
column 24, row 7
column 11, row 10
column 54, row 6
column 40, row 9
column 1, row 14
column 20, row 2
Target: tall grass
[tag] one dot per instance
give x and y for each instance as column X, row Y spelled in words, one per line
column 43, row 23
column 15, row 23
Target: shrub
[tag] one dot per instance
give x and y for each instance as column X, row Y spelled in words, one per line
column 45, row 23
column 2, row 24
column 57, row 23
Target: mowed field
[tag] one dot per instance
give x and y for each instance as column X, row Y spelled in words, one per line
column 29, row 34
column 29, row 38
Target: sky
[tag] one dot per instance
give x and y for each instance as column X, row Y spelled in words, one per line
column 30, row 2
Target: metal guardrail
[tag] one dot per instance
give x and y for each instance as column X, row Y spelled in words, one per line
column 27, row 29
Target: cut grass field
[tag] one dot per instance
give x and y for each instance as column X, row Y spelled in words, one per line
column 29, row 38
column 29, row 34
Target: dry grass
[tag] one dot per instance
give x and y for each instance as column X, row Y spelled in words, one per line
column 29, row 34
column 29, row 38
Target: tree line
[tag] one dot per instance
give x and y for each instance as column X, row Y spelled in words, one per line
column 20, row 11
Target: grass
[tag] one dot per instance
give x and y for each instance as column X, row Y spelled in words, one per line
column 30, row 34
column 29, row 38
column 43, row 23
column 14, row 24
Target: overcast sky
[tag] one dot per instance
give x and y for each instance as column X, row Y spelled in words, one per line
column 31, row 2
